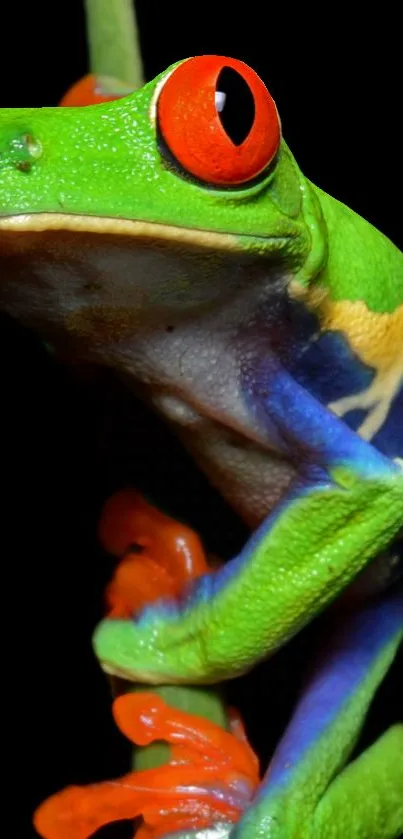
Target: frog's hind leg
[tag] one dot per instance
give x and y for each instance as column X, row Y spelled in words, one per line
column 366, row 800
column 308, row 791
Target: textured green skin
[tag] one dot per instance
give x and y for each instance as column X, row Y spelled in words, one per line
column 57, row 162
column 366, row 799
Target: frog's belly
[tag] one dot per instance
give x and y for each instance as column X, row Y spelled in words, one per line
column 251, row 477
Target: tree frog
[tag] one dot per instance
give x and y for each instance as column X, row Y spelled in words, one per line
column 170, row 234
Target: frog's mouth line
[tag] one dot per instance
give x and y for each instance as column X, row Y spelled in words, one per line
column 221, row 240
column 40, row 222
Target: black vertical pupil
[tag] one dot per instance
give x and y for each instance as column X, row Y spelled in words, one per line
column 238, row 113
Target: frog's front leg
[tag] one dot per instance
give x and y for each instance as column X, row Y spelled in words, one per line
column 308, row 791
column 346, row 506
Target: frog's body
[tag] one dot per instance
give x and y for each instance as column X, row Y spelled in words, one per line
column 244, row 310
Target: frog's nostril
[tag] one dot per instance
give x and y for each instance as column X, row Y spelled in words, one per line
column 21, row 151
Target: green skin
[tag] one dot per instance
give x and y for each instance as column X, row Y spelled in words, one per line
column 116, row 257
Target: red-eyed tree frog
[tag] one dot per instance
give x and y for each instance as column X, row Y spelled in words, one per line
column 171, row 235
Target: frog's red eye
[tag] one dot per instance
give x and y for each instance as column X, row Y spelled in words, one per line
column 218, row 120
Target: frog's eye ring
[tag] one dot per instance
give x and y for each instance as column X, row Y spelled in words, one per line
column 218, row 120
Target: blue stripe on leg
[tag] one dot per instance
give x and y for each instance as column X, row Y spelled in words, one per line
column 350, row 654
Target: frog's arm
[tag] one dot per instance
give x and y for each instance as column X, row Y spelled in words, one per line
column 345, row 508
column 307, row 791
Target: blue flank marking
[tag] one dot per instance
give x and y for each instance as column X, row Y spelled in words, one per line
column 322, row 362
column 389, row 438
column 325, row 365
column 345, row 664
column 312, row 434
column 355, row 418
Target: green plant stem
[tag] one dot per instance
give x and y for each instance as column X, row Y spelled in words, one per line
column 205, row 702
column 113, row 40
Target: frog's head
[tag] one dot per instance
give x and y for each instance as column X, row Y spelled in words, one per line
column 147, row 214
column 149, row 207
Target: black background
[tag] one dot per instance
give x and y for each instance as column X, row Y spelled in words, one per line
column 337, row 84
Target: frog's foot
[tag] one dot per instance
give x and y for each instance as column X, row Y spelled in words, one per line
column 169, row 553
column 209, row 779
column 308, row 790
column 93, row 90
